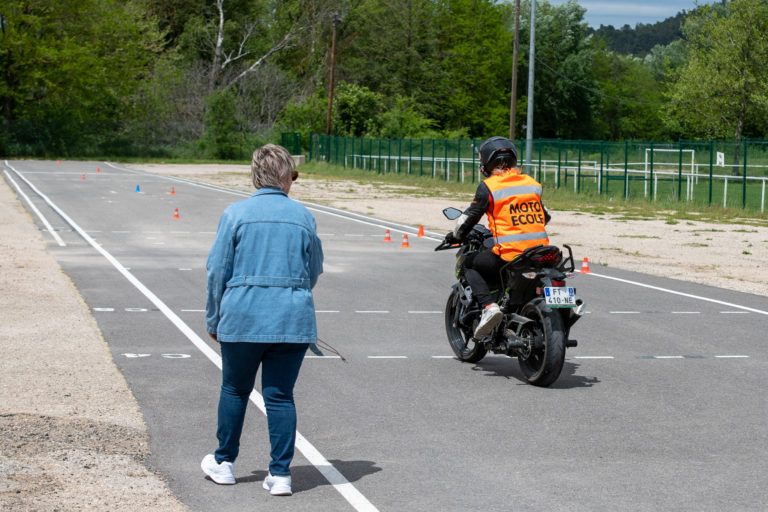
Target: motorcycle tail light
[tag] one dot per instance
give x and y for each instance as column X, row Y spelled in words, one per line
column 552, row 255
column 558, row 283
column 529, row 275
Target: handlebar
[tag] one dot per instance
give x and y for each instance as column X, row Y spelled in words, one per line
column 446, row 244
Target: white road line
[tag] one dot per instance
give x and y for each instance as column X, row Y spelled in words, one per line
column 103, row 309
column 184, row 268
column 42, row 218
column 443, row 357
column 339, row 482
column 734, row 312
column 674, row 292
column 594, row 357
column 387, row 357
column 732, row 357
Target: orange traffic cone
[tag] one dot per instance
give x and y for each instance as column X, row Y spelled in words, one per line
column 83, row 178
column 58, row 162
column 176, row 214
column 173, row 192
column 387, row 237
column 585, row 266
column 421, row 230
column 98, row 169
column 405, row 241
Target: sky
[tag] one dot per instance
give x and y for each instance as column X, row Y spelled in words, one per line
column 631, row 13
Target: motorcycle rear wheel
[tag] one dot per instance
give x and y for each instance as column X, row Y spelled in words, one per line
column 460, row 336
column 542, row 366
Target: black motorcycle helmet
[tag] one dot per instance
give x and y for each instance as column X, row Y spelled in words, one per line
column 497, row 152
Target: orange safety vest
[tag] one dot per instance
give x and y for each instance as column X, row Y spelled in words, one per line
column 515, row 213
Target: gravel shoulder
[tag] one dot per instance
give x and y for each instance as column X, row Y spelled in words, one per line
column 75, row 440
column 71, row 434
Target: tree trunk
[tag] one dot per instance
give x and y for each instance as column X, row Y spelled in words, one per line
column 217, row 48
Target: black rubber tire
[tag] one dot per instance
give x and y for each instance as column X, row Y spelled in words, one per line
column 542, row 367
column 460, row 336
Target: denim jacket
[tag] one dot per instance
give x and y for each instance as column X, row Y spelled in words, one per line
column 261, row 270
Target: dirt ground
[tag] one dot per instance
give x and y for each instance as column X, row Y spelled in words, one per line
column 75, row 440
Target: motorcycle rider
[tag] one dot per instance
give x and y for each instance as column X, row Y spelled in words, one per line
column 516, row 218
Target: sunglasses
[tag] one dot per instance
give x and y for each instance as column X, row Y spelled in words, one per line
column 294, row 175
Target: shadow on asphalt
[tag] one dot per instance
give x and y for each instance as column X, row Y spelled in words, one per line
column 307, row 477
column 507, row 367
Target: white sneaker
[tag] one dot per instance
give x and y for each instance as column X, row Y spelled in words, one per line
column 222, row 474
column 491, row 317
column 278, row 485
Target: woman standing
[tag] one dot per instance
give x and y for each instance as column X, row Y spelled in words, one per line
column 261, row 270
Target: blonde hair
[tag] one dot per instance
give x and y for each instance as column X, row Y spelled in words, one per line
column 271, row 166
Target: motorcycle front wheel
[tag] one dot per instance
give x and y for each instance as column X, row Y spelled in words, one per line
column 460, row 335
column 543, row 363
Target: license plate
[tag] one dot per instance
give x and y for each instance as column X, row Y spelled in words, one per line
column 560, row 297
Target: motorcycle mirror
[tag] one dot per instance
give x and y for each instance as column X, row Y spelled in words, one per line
column 452, row 213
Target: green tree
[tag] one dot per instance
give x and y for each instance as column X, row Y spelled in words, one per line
column 392, row 48
column 74, row 59
column 223, row 134
column 357, row 110
column 67, row 63
column 564, row 90
column 723, row 87
column 629, row 100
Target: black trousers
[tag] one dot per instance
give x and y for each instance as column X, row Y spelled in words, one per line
column 482, row 270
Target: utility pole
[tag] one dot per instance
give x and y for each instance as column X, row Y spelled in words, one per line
column 531, row 60
column 513, row 100
column 330, row 80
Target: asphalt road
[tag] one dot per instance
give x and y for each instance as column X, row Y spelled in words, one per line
column 661, row 407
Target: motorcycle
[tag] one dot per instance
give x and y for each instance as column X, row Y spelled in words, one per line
column 539, row 309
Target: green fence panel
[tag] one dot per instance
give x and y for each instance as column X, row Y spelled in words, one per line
column 701, row 173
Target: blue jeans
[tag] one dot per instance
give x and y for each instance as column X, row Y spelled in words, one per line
column 280, row 365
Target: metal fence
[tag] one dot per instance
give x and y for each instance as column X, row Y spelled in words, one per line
column 704, row 173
